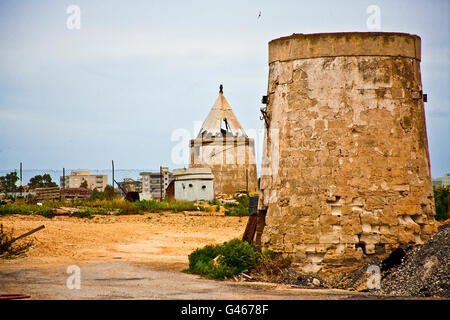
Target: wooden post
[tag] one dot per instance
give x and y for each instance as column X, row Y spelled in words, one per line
column 250, row 229
column 26, row 234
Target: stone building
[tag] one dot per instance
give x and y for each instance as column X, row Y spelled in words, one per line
column 346, row 171
column 76, row 178
column 223, row 146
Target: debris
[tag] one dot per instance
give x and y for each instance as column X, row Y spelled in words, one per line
column 216, row 264
column 423, row 271
column 65, row 210
column 420, row 271
column 316, row 282
column 246, row 275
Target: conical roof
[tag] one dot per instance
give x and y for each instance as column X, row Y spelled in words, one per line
column 221, row 121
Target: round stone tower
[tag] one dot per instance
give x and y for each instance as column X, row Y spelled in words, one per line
column 346, row 171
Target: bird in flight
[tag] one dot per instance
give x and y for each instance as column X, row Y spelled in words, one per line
column 259, row 15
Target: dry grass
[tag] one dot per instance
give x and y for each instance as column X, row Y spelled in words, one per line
column 272, row 269
column 10, row 250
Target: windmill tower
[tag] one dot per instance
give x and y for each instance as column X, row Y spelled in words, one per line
column 223, row 146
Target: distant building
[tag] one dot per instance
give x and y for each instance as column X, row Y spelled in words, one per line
column 194, row 184
column 130, row 185
column 442, row 180
column 223, row 146
column 76, row 178
column 153, row 181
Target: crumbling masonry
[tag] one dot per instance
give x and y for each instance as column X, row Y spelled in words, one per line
column 346, row 172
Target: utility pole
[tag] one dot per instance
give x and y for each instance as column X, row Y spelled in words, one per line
column 64, row 179
column 64, row 184
column 21, row 180
column 161, row 182
column 112, row 161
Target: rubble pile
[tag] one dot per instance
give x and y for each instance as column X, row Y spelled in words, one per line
column 418, row 271
column 424, row 270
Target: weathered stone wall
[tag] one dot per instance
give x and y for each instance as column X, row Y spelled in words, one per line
column 231, row 159
column 348, row 174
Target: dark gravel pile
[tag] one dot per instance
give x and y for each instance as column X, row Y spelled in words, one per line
column 424, row 270
column 419, row 271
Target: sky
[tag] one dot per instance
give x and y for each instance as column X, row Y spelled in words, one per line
column 135, row 74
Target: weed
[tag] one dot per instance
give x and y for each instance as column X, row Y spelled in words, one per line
column 223, row 261
column 235, row 210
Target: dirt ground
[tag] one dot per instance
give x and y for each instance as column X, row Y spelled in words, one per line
column 132, row 257
column 166, row 238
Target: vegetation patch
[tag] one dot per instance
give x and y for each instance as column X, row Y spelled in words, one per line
column 26, row 209
column 173, row 206
column 235, row 210
column 225, row 260
column 441, row 201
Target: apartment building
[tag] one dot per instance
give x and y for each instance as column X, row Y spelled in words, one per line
column 76, row 178
column 155, row 183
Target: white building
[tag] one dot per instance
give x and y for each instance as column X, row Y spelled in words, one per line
column 442, row 180
column 194, row 184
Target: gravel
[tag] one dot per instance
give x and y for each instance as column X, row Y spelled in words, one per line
column 409, row 271
column 424, row 270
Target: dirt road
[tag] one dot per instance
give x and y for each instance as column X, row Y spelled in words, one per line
column 132, row 257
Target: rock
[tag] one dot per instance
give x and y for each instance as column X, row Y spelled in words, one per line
column 65, row 210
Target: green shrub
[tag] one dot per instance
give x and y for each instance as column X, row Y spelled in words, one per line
column 235, row 209
column 223, row 261
column 214, row 202
column 82, row 214
column 26, row 209
column 203, row 256
column 441, row 201
column 243, row 199
column 238, row 254
column 109, row 193
column 97, row 195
